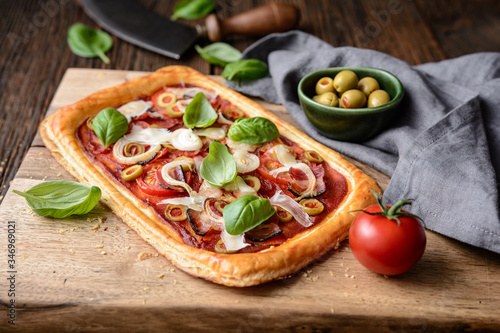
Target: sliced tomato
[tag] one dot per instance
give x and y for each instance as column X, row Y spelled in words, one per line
column 148, row 182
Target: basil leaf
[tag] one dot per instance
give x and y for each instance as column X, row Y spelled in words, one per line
column 253, row 130
column 61, row 198
column 247, row 69
column 245, row 213
column 219, row 53
column 192, row 9
column 219, row 167
column 87, row 42
column 199, row 112
column 109, row 126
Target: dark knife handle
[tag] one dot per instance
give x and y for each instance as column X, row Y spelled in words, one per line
column 260, row 21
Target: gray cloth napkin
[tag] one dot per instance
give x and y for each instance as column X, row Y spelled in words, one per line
column 443, row 150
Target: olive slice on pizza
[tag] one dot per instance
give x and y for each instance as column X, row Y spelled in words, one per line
column 224, row 189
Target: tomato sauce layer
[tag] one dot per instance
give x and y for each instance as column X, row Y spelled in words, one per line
column 151, row 189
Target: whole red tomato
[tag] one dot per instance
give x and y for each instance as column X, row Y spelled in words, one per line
column 390, row 242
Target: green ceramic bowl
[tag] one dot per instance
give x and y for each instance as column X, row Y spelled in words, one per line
column 353, row 125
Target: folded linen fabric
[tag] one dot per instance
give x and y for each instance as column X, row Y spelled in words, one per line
column 443, row 148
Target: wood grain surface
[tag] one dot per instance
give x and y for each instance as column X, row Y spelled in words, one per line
column 34, row 54
column 83, row 274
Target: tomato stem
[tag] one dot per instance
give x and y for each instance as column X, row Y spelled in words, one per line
column 394, row 212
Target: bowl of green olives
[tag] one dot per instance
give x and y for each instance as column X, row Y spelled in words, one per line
column 350, row 103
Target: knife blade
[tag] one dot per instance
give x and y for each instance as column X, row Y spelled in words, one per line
column 132, row 22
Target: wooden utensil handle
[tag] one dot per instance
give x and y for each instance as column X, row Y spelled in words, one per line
column 260, row 21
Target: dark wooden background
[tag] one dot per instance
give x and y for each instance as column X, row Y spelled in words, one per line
column 34, row 54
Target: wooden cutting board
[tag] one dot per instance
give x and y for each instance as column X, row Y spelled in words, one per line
column 84, row 273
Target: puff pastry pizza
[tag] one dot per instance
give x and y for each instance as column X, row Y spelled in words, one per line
column 224, row 189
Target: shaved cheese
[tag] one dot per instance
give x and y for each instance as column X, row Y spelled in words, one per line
column 135, row 109
column 216, row 133
column 186, row 139
column 191, row 92
column 291, row 206
column 245, row 161
column 189, row 202
column 149, row 136
column 240, row 188
column 209, row 191
column 284, row 156
column 233, row 243
column 182, row 138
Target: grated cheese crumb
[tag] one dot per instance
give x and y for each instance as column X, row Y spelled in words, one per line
column 160, row 276
column 96, row 227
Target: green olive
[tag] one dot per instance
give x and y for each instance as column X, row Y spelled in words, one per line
column 378, row 98
column 174, row 111
column 329, row 99
column 324, row 85
column 344, row 81
column 233, row 113
column 132, row 172
column 368, row 85
column 353, row 99
column 283, row 215
column 166, row 99
column 176, row 213
column 252, row 181
column 312, row 206
column 313, row 156
column 90, row 124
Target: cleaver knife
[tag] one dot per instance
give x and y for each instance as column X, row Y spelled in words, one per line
column 132, row 22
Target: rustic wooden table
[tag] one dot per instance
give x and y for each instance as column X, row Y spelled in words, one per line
column 455, row 287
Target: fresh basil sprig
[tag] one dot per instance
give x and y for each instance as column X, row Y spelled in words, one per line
column 245, row 213
column 192, row 9
column 253, row 130
column 219, row 54
column 85, row 41
column 219, row 167
column 246, row 69
column 61, row 198
column 199, row 112
column 109, row 126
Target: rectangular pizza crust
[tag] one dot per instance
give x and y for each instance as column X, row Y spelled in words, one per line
column 58, row 133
